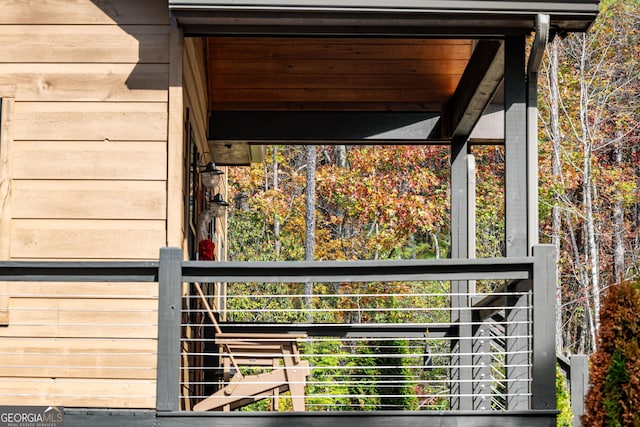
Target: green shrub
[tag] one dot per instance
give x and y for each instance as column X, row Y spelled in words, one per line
column 399, row 394
column 563, row 401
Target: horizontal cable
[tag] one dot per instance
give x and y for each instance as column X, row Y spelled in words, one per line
column 362, row 295
column 426, row 325
column 359, row 356
column 352, row 309
column 315, row 339
column 364, row 396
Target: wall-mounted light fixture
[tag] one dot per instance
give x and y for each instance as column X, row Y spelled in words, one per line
column 218, row 206
column 211, row 176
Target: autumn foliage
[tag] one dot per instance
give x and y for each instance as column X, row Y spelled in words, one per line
column 614, row 397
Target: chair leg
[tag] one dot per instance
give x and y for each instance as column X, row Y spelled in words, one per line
column 296, row 387
column 296, row 377
column 276, row 391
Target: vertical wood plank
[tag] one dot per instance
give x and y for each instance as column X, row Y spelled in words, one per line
column 6, row 139
column 460, row 220
column 515, row 137
column 195, row 90
column 175, row 143
column 579, row 386
column 459, row 199
column 543, row 369
column 169, row 314
column 480, row 339
column 532, row 161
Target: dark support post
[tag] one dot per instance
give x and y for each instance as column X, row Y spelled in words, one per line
column 480, row 333
column 461, row 362
column 579, row 385
column 532, row 160
column 536, row 53
column 169, row 312
column 515, row 141
column 543, row 370
column 459, row 199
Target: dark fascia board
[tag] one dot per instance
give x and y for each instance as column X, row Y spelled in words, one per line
column 407, row 18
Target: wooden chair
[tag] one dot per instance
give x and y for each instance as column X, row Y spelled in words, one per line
column 277, row 353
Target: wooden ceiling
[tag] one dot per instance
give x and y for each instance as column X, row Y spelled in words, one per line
column 335, row 74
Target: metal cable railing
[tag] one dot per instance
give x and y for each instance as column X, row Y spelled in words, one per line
column 397, row 348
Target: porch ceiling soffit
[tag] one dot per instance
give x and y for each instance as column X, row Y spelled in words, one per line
column 476, row 89
column 450, row 18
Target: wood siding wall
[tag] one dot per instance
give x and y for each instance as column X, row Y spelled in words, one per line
column 197, row 101
column 84, row 176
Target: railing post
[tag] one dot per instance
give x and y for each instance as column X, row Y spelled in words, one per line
column 515, row 216
column 543, row 371
column 462, row 349
column 169, row 312
column 579, row 385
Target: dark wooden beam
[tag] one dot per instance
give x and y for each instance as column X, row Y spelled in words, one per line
column 301, row 126
column 477, row 86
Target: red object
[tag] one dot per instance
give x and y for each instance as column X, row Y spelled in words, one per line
column 206, row 248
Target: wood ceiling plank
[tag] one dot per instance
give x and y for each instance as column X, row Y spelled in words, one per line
column 330, row 95
column 324, row 106
column 302, row 50
column 331, row 81
column 280, row 73
column 339, row 40
column 323, row 65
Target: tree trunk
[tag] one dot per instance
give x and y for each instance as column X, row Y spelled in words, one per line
column 591, row 248
column 635, row 260
column 310, row 203
column 276, row 220
column 341, row 155
column 581, row 277
column 618, row 220
column 556, row 171
column 310, row 222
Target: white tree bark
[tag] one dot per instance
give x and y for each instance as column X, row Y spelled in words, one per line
column 618, row 222
column 556, row 171
column 310, row 222
column 590, row 247
column 276, row 220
